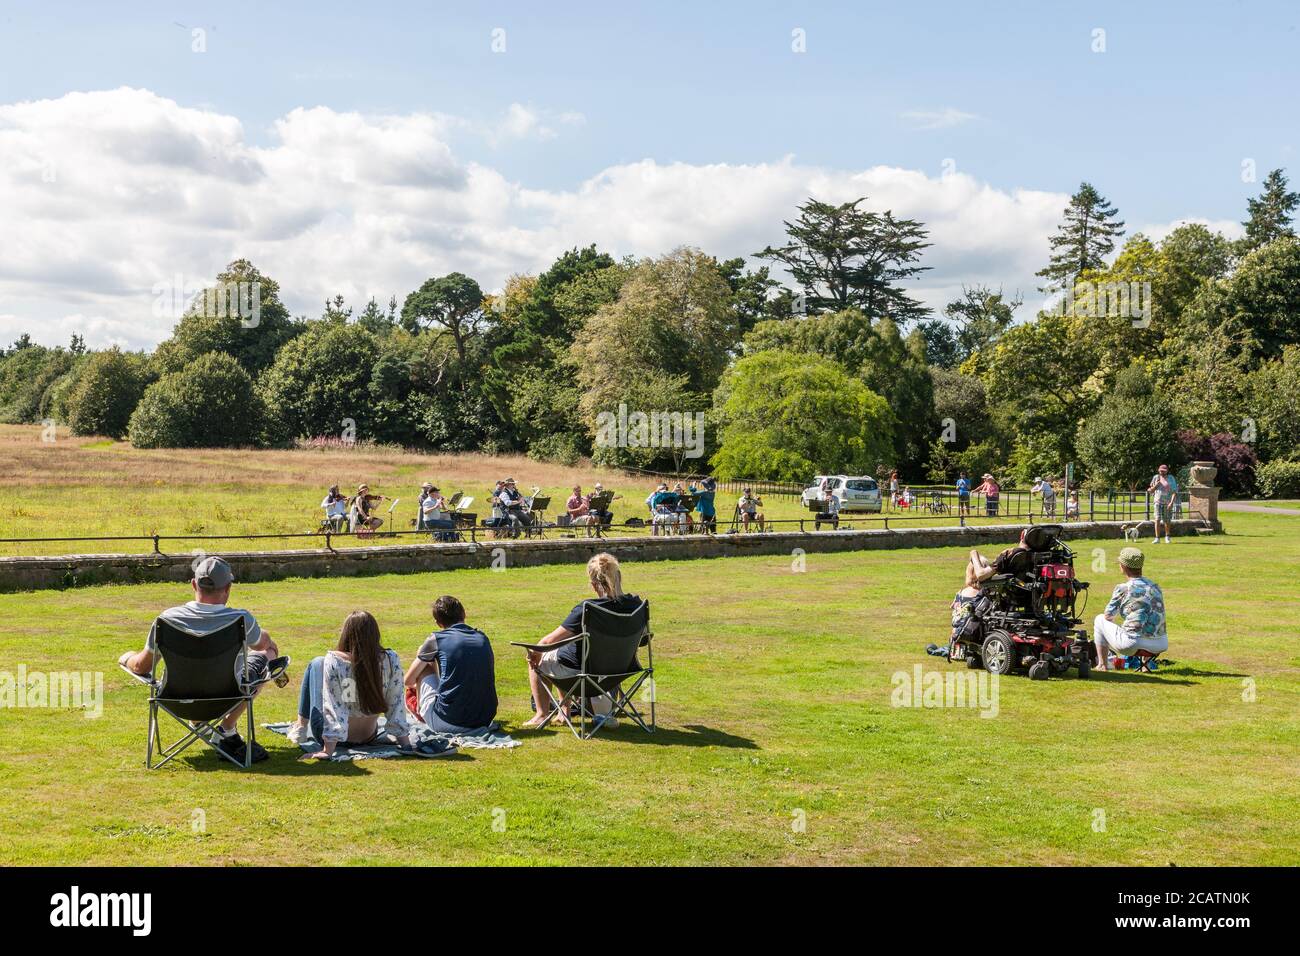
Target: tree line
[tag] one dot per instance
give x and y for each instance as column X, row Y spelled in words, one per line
column 1142, row 352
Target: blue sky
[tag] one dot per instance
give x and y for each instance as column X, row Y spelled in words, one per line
column 1011, row 95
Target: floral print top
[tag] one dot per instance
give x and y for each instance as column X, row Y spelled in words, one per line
column 1142, row 606
column 339, row 696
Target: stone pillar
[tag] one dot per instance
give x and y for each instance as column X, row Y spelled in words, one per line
column 1203, row 496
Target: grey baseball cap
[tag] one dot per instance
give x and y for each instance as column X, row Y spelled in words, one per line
column 213, row 573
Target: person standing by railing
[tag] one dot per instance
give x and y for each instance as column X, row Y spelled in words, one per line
column 963, row 494
column 992, row 492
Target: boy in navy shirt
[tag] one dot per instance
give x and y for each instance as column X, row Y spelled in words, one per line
column 455, row 673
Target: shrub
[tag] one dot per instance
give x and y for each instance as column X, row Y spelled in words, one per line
column 105, row 392
column 1236, row 460
column 209, row 404
column 563, row 448
column 1279, row 479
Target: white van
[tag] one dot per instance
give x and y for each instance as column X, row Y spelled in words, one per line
column 856, row 492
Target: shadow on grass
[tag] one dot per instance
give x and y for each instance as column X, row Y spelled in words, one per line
column 690, row 735
column 284, row 764
column 1136, row 677
column 1186, row 670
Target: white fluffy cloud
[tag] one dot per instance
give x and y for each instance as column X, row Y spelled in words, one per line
column 112, row 195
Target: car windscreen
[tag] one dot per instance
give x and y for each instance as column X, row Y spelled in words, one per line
column 861, row 484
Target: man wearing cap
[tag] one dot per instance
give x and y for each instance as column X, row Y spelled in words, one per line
column 704, row 503
column 512, row 504
column 336, row 509
column 1140, row 605
column 206, row 614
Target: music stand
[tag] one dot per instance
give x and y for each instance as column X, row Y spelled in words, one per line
column 537, row 506
column 601, row 503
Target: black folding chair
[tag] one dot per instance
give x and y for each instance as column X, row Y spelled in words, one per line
column 202, row 682
column 608, row 654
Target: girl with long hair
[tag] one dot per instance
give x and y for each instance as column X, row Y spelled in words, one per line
column 345, row 692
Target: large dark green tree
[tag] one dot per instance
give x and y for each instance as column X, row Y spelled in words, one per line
column 848, row 257
column 453, row 303
column 216, row 324
column 211, row 403
column 1130, row 435
column 1084, row 240
column 1269, row 216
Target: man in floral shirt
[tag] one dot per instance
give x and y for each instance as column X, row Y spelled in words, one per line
column 1141, row 607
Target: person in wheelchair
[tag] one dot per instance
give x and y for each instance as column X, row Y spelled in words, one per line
column 1025, row 614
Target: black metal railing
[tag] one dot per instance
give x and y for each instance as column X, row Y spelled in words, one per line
column 943, row 506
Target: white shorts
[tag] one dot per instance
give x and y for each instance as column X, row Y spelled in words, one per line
column 1114, row 636
column 551, row 666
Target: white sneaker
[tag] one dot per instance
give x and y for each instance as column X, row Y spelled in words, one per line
column 1166, row 539
column 1155, row 540
column 298, row 733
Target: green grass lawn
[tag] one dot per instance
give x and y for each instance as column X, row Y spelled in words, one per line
column 774, row 705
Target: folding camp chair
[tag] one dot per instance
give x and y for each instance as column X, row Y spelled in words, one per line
column 608, row 653
column 199, row 687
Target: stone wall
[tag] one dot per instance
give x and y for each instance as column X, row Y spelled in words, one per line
column 26, row 574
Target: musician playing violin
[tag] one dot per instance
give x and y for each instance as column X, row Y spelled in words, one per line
column 362, row 506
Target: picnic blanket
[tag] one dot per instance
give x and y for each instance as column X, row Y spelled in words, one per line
column 384, row 745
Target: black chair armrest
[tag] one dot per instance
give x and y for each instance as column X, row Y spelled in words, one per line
column 281, row 665
column 548, row 647
column 147, row 681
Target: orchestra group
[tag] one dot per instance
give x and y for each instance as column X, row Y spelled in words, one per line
column 679, row 509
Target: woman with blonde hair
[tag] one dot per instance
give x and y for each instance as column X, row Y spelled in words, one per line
column 606, row 580
column 344, row 693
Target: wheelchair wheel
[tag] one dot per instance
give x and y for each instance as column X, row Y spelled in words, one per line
column 1085, row 667
column 1040, row 670
column 999, row 653
column 973, row 660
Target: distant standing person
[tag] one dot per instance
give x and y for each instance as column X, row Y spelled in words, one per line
column 991, row 491
column 1045, row 489
column 893, row 489
column 1161, row 491
column 963, row 494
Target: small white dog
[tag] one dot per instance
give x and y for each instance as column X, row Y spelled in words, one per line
column 1134, row 531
